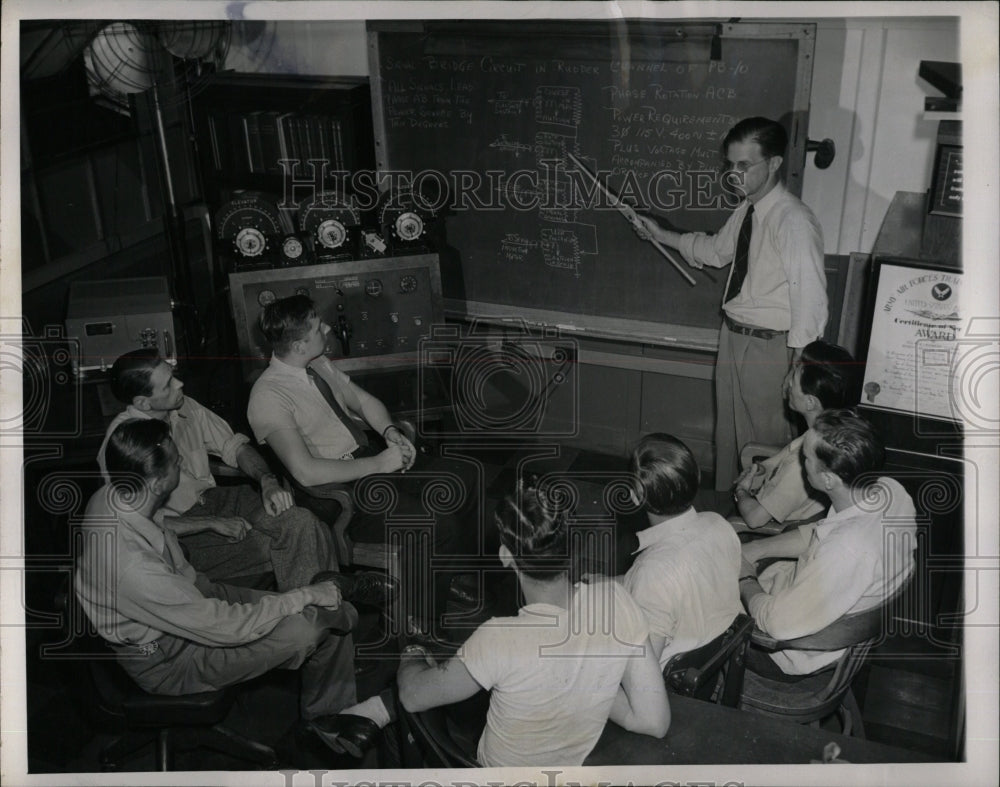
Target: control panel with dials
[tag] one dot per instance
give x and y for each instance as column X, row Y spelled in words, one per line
column 378, row 310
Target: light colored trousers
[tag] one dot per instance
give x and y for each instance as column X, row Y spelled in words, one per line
column 748, row 399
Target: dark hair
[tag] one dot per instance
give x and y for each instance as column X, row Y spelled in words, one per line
column 667, row 473
column 848, row 445
column 533, row 528
column 131, row 372
column 830, row 374
column 286, row 321
column 137, row 447
column 769, row 134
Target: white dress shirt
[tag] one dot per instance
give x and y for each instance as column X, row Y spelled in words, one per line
column 197, row 432
column 855, row 559
column 284, row 397
column 685, row 579
column 785, row 285
column 135, row 585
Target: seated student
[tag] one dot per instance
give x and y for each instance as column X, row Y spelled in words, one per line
column 771, row 493
column 305, row 409
column 685, row 577
column 573, row 657
column 231, row 531
column 849, row 562
column 176, row 632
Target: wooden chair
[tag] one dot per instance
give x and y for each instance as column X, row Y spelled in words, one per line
column 714, row 672
column 430, row 732
column 822, row 695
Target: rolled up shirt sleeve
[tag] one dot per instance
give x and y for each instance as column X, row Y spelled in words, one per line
column 149, row 593
column 219, row 437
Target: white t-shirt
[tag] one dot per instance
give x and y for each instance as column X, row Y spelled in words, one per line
column 554, row 674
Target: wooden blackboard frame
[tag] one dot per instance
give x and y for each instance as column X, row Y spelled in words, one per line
column 587, row 324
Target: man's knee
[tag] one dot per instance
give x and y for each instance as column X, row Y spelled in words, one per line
column 302, row 633
column 297, row 524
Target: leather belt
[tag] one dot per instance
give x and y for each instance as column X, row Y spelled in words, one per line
column 746, row 330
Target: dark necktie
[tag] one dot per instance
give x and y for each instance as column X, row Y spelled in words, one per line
column 349, row 423
column 741, row 260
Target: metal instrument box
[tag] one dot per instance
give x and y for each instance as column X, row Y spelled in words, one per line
column 112, row 317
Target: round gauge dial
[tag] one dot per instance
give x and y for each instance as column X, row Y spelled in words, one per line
column 265, row 297
column 329, row 217
column 247, row 222
column 292, row 248
column 408, row 283
column 373, row 287
column 331, row 234
column 405, row 214
column 250, row 242
column 408, row 226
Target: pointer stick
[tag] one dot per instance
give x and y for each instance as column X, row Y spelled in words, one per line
column 629, row 213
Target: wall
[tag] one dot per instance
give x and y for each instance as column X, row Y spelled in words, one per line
column 867, row 97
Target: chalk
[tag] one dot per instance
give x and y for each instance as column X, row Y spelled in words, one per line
column 568, row 328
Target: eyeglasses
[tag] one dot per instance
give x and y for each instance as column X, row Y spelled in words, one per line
column 741, row 166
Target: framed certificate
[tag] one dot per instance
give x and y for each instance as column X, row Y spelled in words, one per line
column 914, row 342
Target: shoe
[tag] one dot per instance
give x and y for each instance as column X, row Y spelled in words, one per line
column 464, row 591
column 345, row 732
column 437, row 643
column 364, row 587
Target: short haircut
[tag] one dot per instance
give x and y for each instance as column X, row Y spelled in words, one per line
column 769, row 134
column 848, row 445
column 533, row 527
column 131, row 372
column 137, row 447
column 667, row 474
column 830, row 374
column 286, row 321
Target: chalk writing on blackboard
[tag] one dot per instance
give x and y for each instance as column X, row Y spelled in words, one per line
column 496, row 110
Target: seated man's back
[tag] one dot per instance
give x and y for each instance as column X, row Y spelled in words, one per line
column 554, row 674
column 685, row 574
column 573, row 658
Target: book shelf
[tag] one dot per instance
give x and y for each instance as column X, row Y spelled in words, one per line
column 246, row 124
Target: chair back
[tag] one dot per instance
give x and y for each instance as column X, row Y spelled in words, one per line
column 819, row 695
column 714, row 672
column 852, row 629
column 429, row 729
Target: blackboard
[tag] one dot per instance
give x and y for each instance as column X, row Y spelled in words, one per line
column 484, row 113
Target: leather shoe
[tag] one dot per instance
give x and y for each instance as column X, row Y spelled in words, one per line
column 464, row 591
column 345, row 732
column 363, row 587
